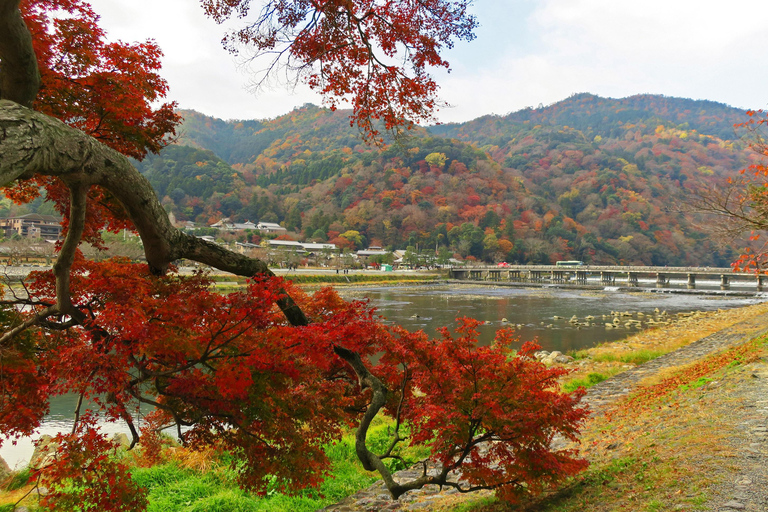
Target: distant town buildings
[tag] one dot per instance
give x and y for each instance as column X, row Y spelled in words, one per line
column 270, row 227
column 265, row 227
column 300, row 246
column 32, row 225
column 226, row 225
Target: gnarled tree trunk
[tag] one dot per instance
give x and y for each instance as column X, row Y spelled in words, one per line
column 32, row 143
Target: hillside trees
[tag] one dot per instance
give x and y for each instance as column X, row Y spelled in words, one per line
column 616, row 189
column 740, row 205
column 267, row 373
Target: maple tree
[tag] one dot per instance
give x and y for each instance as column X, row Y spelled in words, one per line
column 267, row 373
column 375, row 55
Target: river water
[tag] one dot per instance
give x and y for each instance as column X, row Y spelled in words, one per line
column 534, row 309
column 429, row 307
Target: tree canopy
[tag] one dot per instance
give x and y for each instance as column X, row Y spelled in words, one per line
column 267, row 373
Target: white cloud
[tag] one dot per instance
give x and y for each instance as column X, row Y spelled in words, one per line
column 528, row 52
column 613, row 48
column 200, row 73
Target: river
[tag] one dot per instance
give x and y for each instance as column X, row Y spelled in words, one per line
column 429, row 307
column 534, row 309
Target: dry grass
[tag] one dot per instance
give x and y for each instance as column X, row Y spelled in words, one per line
column 202, row 460
column 612, row 358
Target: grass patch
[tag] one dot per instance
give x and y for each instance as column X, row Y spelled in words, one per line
column 18, row 479
column 638, row 356
column 642, row 356
column 587, row 382
column 173, row 488
column 187, row 483
column 698, row 383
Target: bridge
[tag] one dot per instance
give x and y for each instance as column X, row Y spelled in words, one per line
column 606, row 275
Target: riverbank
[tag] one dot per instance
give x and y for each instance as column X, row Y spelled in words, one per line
column 694, row 443
column 686, row 431
column 313, row 279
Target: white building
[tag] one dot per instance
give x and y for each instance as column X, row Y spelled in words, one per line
column 270, row 227
column 226, row 225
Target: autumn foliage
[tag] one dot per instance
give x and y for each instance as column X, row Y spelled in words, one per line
column 490, row 412
column 744, row 206
column 227, row 371
column 106, row 89
column 268, row 373
column 374, row 55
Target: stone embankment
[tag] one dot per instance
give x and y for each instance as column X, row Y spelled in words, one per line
column 746, row 489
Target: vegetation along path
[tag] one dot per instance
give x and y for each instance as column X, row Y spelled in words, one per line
column 685, row 431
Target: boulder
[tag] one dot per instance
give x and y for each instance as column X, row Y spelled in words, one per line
column 45, row 450
column 556, row 357
column 5, row 470
column 122, row 440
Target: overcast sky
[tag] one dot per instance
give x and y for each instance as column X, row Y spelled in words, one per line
column 527, row 52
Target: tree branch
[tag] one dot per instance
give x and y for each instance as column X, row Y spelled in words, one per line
column 34, row 144
column 78, row 197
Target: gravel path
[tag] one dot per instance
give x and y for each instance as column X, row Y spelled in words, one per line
column 746, row 490
column 746, row 486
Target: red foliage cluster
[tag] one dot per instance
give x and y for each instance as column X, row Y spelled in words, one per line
column 226, row 366
column 373, row 54
column 82, row 474
column 231, row 371
column 752, row 196
column 488, row 410
column 105, row 89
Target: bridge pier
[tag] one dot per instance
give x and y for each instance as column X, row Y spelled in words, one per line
column 760, row 282
column 724, row 284
column 691, row 281
column 661, row 280
column 581, row 277
column 607, row 278
column 534, row 276
column 632, row 279
column 558, row 276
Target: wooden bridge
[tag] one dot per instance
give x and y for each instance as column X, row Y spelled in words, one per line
column 611, row 275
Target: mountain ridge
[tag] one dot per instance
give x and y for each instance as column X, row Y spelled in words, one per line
column 586, row 178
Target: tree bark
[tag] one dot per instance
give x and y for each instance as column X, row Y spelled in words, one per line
column 32, row 143
column 19, row 75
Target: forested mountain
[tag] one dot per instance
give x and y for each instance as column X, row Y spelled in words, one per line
column 588, row 178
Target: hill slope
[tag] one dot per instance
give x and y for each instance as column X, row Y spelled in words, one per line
column 587, row 178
